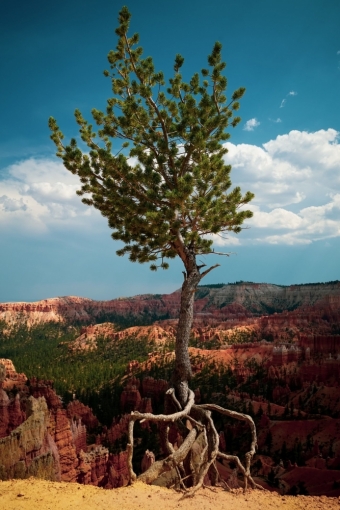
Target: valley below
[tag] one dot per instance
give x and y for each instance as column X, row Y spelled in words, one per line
column 72, row 370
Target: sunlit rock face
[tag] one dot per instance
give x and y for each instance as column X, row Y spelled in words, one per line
column 87, row 341
column 29, row 450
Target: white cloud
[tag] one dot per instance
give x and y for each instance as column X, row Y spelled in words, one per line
column 295, row 178
column 39, row 194
column 296, row 182
column 251, row 124
column 291, row 93
column 338, row 52
column 303, row 149
column 225, row 239
column 11, row 204
column 277, row 219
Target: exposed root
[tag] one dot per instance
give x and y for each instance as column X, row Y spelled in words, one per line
column 133, row 475
column 253, row 446
column 203, row 433
column 168, row 445
column 239, row 464
column 171, row 393
column 212, row 439
column 135, row 415
column 179, row 469
column 226, row 486
column 237, row 416
column 173, row 460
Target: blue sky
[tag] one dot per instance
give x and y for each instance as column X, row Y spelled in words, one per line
column 286, row 150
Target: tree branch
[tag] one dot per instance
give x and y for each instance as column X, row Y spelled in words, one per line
column 208, row 270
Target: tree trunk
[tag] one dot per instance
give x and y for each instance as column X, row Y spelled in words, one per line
column 182, row 372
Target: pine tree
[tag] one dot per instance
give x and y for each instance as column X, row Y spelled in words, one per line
column 177, row 195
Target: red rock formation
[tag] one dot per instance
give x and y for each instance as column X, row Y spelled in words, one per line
column 93, row 466
column 145, row 406
column 321, row 344
column 118, row 428
column 153, row 333
column 87, row 341
column 44, row 388
column 118, row 475
column 78, row 432
column 132, row 366
column 51, row 442
column 320, row 303
column 11, row 414
column 12, row 378
column 60, row 431
column 279, row 392
column 29, row 449
column 130, row 399
column 154, row 388
column 4, row 413
column 320, row 371
column 78, row 410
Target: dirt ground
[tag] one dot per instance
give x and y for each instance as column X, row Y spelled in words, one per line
column 35, row 494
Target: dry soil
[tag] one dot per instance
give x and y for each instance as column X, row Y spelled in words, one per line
column 35, row 494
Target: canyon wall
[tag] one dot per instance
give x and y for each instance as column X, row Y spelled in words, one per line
column 229, row 302
column 29, row 450
column 39, row 438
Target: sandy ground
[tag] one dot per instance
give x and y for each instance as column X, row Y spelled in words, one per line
column 35, row 494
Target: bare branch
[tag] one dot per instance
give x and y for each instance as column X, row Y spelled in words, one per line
column 223, row 253
column 208, row 270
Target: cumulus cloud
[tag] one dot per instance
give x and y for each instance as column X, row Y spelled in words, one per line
column 39, row 194
column 11, row 204
column 296, row 182
column 295, row 178
column 292, row 93
column 251, row 124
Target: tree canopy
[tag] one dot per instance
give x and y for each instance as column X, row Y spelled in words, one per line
column 167, row 188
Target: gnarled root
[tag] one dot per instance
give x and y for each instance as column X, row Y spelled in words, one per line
column 173, row 460
column 198, row 460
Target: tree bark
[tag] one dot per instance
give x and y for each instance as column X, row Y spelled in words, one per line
column 182, row 371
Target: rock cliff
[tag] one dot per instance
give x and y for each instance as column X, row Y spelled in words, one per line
column 29, row 449
column 228, row 302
